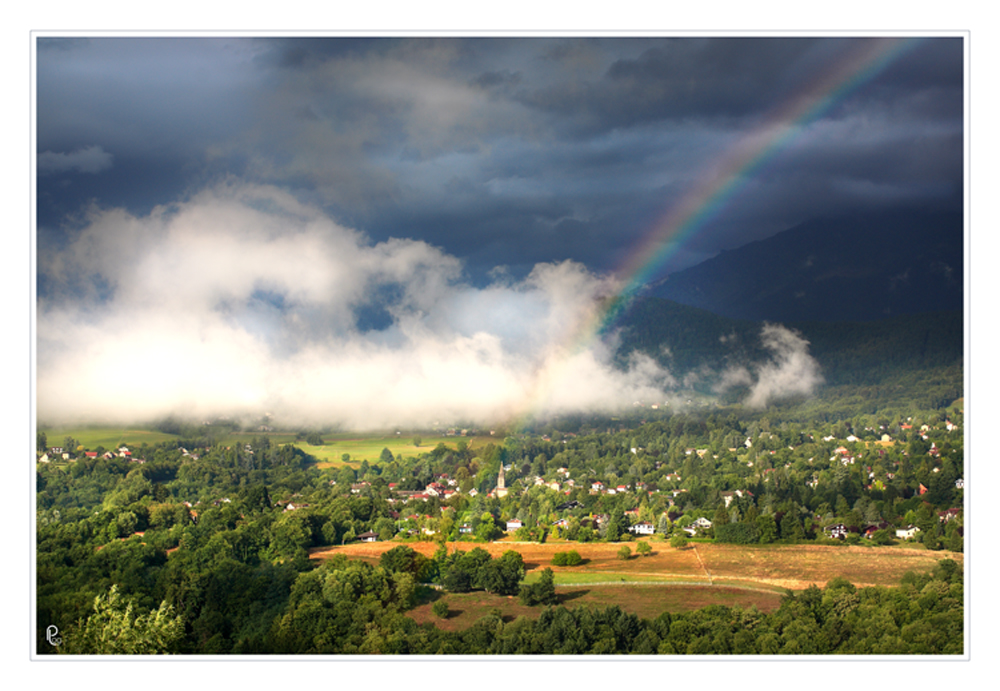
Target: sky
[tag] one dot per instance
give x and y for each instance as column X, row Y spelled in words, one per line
column 378, row 231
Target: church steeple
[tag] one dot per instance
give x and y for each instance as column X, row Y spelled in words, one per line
column 501, row 490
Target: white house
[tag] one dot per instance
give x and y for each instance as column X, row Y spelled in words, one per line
column 642, row 528
column 907, row 533
column 514, row 525
column 699, row 524
column 838, row 531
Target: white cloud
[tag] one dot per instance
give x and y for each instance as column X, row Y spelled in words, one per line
column 92, row 159
column 243, row 300
column 790, row 372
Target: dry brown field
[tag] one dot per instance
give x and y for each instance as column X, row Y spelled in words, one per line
column 775, row 567
column 669, row 580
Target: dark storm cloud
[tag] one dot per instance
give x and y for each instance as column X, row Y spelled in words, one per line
column 499, row 150
column 399, row 217
column 680, row 78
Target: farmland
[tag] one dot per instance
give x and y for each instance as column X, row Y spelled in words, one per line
column 369, row 447
column 360, row 447
column 108, row 437
column 668, row 580
column 773, row 567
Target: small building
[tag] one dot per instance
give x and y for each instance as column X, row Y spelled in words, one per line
column 837, row 532
column 701, row 523
column 514, row 525
column 368, row 537
column 642, row 528
column 945, row 516
column 907, row 533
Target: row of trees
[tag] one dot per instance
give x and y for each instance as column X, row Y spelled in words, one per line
column 349, row 607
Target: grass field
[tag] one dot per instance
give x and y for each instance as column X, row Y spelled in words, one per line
column 108, row 437
column 774, row 567
column 360, row 447
column 646, row 602
column 669, row 580
column 369, row 448
column 794, row 567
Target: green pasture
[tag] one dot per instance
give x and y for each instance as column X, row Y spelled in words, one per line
column 606, row 577
column 369, row 448
column 361, row 447
column 108, row 437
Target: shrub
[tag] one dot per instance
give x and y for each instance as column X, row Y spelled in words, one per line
column 570, row 558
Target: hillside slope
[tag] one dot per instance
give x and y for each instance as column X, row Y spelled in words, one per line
column 844, row 269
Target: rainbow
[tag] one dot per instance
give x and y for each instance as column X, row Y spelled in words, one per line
column 720, row 182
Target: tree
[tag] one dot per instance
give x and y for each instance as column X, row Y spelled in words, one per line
column 625, row 553
column 767, row 529
column 613, row 528
column 644, row 549
column 487, row 530
column 503, row 575
column 721, row 516
column 883, row 537
column 542, row 592
column 115, row 628
column 41, row 443
column 385, row 529
column 416, row 441
column 678, row 540
column 663, row 525
column 386, row 456
column 345, row 476
column 314, row 439
column 440, row 609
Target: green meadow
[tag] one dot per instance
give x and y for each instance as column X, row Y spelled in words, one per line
column 369, row 448
column 108, row 437
column 360, row 447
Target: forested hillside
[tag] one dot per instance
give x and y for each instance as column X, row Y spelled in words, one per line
column 866, row 366
column 852, row 268
column 204, row 549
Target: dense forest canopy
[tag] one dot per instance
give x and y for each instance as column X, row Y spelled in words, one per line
column 193, row 546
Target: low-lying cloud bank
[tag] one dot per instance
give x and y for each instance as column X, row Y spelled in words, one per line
column 242, row 300
column 790, row 371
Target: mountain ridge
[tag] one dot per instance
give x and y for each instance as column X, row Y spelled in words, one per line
column 847, row 268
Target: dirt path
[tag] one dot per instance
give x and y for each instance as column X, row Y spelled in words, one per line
column 708, row 574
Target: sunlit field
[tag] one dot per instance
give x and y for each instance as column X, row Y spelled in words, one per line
column 369, row 448
column 668, row 580
column 774, row 567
